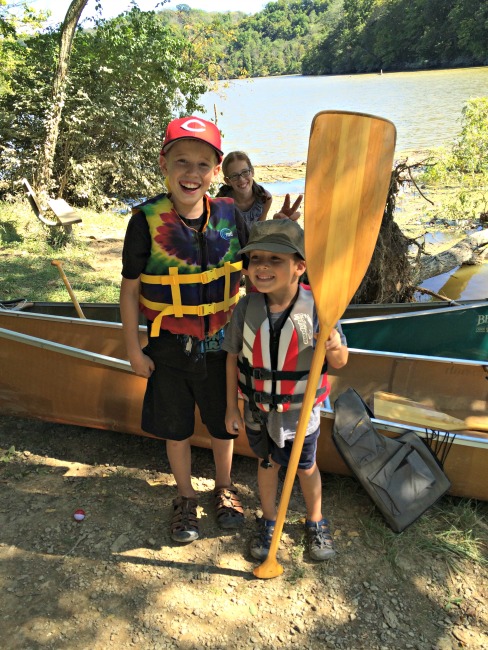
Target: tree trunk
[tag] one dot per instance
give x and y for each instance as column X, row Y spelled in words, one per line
column 392, row 276
column 466, row 251
column 53, row 118
column 388, row 278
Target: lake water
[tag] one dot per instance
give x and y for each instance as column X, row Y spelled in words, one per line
column 464, row 283
column 270, row 118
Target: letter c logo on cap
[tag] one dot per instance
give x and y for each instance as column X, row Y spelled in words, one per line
column 193, row 125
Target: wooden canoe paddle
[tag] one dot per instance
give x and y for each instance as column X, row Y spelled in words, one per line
column 388, row 406
column 77, row 305
column 349, row 166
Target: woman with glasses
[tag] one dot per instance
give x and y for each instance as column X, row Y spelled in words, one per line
column 252, row 199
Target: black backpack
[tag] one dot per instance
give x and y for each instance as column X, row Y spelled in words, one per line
column 402, row 475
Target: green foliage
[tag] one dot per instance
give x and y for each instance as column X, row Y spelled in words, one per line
column 127, row 79
column 464, row 165
column 358, row 36
column 22, row 110
column 8, row 455
column 12, row 22
column 467, row 202
column 8, row 232
column 451, row 531
column 273, row 41
column 58, row 238
column 470, row 152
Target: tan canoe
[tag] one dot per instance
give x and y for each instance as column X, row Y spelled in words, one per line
column 74, row 371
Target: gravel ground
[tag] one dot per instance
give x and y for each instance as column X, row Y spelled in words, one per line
column 116, row 580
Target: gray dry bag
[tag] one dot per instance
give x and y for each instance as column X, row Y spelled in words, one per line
column 402, row 475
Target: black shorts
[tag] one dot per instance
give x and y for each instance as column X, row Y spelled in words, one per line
column 281, row 455
column 168, row 409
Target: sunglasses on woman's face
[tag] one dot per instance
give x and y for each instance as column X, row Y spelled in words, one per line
column 235, row 177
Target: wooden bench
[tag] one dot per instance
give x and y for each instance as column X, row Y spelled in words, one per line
column 62, row 214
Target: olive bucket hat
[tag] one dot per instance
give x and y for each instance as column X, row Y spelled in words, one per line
column 276, row 236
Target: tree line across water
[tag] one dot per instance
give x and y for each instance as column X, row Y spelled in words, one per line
column 345, row 36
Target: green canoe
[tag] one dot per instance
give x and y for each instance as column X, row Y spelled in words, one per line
column 457, row 332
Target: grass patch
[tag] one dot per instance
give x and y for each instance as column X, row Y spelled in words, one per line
column 28, row 247
column 454, row 530
column 296, row 573
column 8, row 232
column 8, row 455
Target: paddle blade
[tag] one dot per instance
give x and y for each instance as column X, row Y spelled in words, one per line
column 388, row 406
column 349, row 165
column 477, row 423
column 270, row 568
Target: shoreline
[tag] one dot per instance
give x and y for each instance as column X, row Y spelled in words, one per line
column 289, row 171
column 279, row 172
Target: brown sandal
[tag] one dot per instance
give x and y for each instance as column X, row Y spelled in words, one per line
column 230, row 513
column 184, row 523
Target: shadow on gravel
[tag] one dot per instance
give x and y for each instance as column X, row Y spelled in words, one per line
column 117, row 580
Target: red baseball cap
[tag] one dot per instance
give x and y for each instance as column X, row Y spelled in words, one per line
column 194, row 128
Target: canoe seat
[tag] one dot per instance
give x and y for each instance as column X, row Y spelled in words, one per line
column 57, row 213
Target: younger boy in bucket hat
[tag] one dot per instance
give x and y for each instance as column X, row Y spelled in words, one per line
column 181, row 268
column 269, row 343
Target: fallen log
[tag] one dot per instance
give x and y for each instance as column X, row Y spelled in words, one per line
column 468, row 251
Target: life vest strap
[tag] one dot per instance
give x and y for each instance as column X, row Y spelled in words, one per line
column 178, row 311
column 275, row 400
column 174, row 278
column 227, row 272
column 264, row 374
column 175, row 292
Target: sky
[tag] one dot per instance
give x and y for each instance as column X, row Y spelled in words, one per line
column 112, row 8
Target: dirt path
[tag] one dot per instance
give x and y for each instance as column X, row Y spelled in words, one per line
column 116, row 580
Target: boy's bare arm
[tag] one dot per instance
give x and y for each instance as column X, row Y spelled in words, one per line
column 233, row 419
column 129, row 310
column 336, row 353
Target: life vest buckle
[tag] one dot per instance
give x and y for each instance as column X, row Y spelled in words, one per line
column 206, row 309
column 209, row 276
column 272, row 400
column 262, row 374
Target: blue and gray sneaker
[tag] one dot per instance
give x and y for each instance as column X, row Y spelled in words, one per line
column 261, row 542
column 320, row 543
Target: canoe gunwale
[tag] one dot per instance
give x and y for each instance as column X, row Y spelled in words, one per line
column 44, row 344
column 420, row 357
column 64, row 319
column 414, row 314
